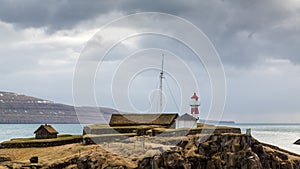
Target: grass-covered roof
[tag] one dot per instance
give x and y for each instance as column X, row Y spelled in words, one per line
column 142, row 119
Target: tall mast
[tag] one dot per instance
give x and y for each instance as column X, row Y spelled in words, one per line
column 161, row 84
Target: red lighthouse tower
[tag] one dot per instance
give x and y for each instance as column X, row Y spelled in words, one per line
column 194, row 105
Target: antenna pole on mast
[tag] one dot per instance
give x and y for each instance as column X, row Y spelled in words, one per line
column 161, row 84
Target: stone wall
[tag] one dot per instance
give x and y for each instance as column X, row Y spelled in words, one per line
column 43, row 143
column 96, row 139
column 158, row 130
column 184, row 132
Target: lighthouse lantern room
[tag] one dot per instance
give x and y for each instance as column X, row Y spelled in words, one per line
column 195, row 105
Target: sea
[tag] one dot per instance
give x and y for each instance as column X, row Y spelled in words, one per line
column 281, row 135
column 10, row 131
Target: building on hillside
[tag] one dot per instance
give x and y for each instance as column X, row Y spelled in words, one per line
column 165, row 120
column 45, row 132
column 186, row 121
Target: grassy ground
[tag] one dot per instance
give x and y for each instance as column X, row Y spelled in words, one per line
column 114, row 153
column 59, row 138
column 33, row 140
column 60, row 154
column 45, row 154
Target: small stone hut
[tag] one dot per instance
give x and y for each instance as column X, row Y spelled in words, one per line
column 45, row 132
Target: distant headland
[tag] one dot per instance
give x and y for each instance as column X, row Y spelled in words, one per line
column 21, row 109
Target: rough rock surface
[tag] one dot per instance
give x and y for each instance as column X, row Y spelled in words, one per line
column 224, row 151
column 219, row 151
column 4, row 158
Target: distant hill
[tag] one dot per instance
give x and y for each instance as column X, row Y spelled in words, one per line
column 217, row 122
column 18, row 108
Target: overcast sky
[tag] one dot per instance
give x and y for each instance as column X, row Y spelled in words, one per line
column 257, row 41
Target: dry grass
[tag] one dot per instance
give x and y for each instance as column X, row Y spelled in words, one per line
column 114, row 153
column 33, row 140
column 56, row 154
column 45, row 154
column 98, row 126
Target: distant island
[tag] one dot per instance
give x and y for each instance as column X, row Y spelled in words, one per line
column 21, row 109
column 216, row 122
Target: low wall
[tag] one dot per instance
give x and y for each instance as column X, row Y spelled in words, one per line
column 40, row 143
column 158, row 130
column 102, row 135
column 184, row 132
column 117, row 129
column 95, row 139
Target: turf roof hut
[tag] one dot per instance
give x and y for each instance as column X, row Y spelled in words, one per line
column 45, row 132
column 165, row 120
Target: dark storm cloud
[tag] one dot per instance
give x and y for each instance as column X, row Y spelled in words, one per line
column 53, row 14
column 64, row 14
column 58, row 14
column 242, row 31
column 232, row 15
column 249, row 31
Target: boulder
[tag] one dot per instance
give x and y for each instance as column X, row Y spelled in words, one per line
column 4, row 158
column 34, row 159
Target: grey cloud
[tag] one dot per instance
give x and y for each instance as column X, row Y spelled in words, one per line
column 245, row 33
column 53, row 15
column 249, row 30
column 56, row 15
column 233, row 26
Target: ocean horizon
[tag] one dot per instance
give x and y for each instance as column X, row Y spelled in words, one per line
column 281, row 135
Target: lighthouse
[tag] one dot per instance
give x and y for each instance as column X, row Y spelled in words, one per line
column 195, row 106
